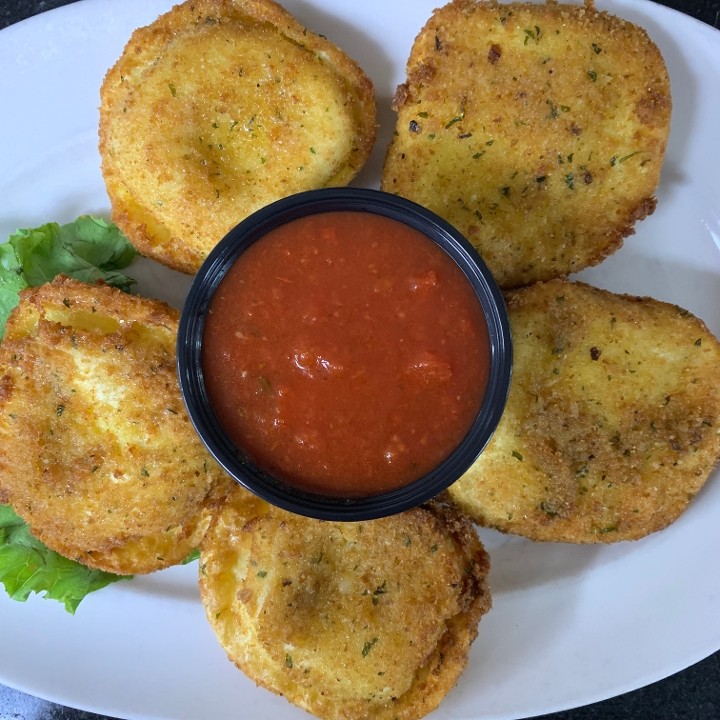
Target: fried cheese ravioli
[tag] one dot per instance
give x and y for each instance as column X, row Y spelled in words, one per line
column 346, row 620
column 97, row 453
column 538, row 130
column 612, row 423
column 218, row 108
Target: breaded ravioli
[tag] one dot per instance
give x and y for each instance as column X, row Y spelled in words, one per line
column 97, row 453
column 538, row 130
column 218, row 108
column 612, row 423
column 346, row 620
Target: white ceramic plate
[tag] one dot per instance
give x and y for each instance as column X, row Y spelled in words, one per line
column 570, row 625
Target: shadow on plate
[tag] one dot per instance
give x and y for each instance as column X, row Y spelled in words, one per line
column 520, row 564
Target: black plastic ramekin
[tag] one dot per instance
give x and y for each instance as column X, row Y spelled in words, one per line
column 234, row 460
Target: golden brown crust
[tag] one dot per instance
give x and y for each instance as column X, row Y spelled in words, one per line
column 612, row 424
column 218, row 108
column 346, row 620
column 97, row 453
column 538, row 130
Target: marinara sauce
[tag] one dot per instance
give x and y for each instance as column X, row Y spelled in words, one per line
column 345, row 353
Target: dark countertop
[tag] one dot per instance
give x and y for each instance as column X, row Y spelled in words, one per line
column 693, row 694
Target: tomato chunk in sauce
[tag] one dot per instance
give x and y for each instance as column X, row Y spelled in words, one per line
column 345, row 353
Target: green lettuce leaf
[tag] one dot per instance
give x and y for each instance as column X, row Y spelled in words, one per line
column 28, row 566
column 88, row 249
column 12, row 281
column 192, row 557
